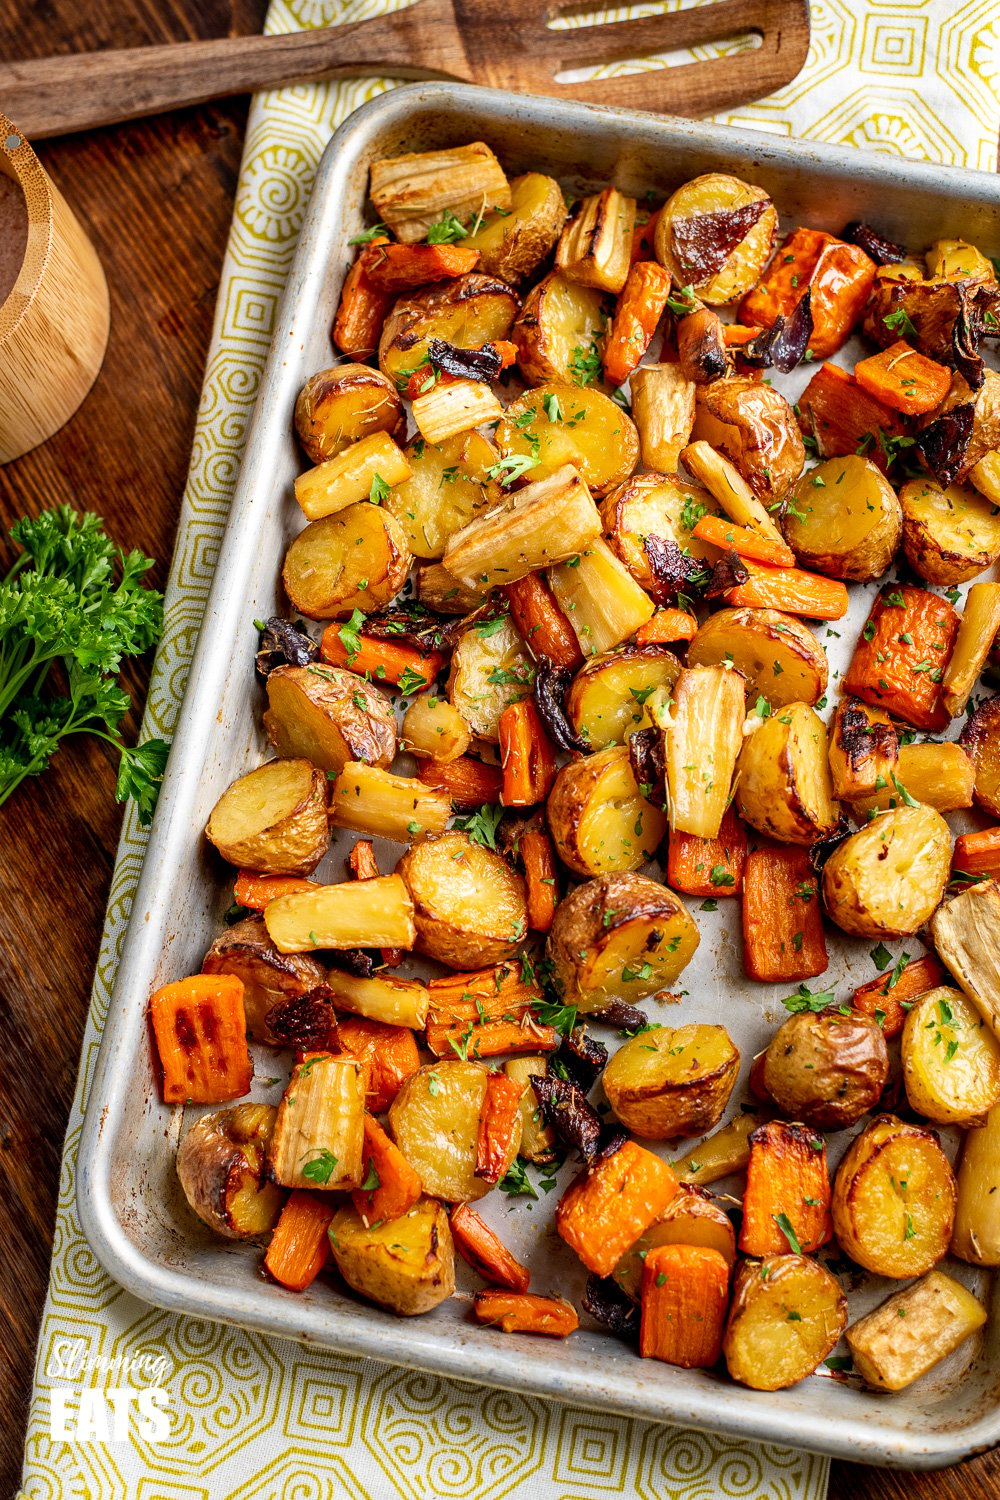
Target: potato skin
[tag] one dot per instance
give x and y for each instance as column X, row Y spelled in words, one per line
column 599, row 704
column 435, row 1122
column 710, row 193
column 409, row 1279
column 783, row 782
column 513, row 245
column 221, row 1166
column 886, row 880
column 470, row 907
column 323, row 568
column 949, row 533
column 759, row 1349
column 294, row 844
column 335, row 407
column 681, row 1090
column 828, row 1069
column 343, row 718
column 894, row 1196
column 755, row 428
column 980, row 739
column 557, row 316
column 269, row 977
column 468, row 311
column 951, row 1060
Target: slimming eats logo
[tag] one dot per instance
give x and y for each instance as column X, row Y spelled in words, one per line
column 133, row 1392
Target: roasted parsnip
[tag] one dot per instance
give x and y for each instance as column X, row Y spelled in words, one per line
column 371, row 800
column 355, row 914
column 548, row 520
column 354, row 474
column 595, row 247
column 319, row 1130
column 414, row 191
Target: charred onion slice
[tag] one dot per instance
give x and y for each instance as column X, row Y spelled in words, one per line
column 943, row 444
column 882, row 250
column 468, row 364
column 605, row 1301
column 551, row 686
column 583, row 1057
column 565, row 1108
column 284, row 643
column 645, row 754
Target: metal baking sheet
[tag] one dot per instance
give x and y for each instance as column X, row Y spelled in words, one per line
column 130, row 1205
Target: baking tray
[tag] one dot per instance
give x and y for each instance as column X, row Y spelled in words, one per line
column 130, row 1205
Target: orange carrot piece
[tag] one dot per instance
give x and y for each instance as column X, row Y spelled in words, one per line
column 842, row 418
column 390, row 1186
column 783, row 937
column 786, row 1205
column 643, row 236
column 501, row 1114
column 685, row 1291
column 735, row 335
column 978, row 853
column 481, row 994
column 901, row 655
column 877, row 999
column 362, row 861
column 904, row 379
column 201, row 1036
column 362, row 309
column 538, row 859
column 839, row 278
column 526, row 755
column 388, row 1055
column 485, row 1252
column 727, row 535
column 396, row 268
column 469, row 783
column 666, row 626
column 523, row 1312
column 709, row 867
column 299, row 1247
column 472, row 1040
column 606, row 1208
column 255, row 891
column 784, row 282
column 545, row 628
column 792, row 590
column 639, row 309
column 385, row 661
column 507, row 352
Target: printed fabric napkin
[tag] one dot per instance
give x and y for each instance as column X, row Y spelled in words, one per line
column 252, row 1418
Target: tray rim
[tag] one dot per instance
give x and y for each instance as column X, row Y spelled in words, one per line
column 732, row 1411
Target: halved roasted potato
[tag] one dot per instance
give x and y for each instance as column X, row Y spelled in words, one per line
column 607, row 697
column 221, row 1163
column 269, row 978
column 490, row 669
column 621, row 936
column 951, row 1060
column 329, row 716
column 780, row 658
column 468, row 312
column 599, row 819
column 887, row 879
column 435, row 1122
column 701, row 747
column 557, row 424
column 273, row 819
column 449, row 486
column 766, row 1347
column 672, row 1080
column 939, row 776
column 692, row 1217
column 755, row 428
column 405, row 1264
column 512, row 242
column 355, row 559
column 783, row 782
column 980, row 738
column 715, row 235
column 469, row 905
column 335, row 407
column 826, row 1069
column 557, row 330
column 950, row 532
column 893, row 1200
column 957, row 260
column 864, row 749
column 659, row 505
column 843, row 519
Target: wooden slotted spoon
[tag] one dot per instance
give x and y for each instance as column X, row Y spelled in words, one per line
column 509, row 46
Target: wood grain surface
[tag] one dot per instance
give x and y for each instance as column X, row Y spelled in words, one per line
column 156, row 199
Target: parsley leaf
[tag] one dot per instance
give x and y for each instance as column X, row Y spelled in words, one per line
column 804, row 999
column 516, row 1183
column 561, row 1017
column 350, row 635
column 411, row 681
column 901, row 322
column 482, row 826
column 379, row 490
column 447, row 230
column 784, row 1223
column 320, row 1169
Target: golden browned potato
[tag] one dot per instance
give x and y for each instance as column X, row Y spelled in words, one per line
column 468, row 312
column 557, row 332
column 600, row 821
column 556, row 424
column 951, row 1060
column 714, row 235
column 893, row 1200
column 435, row 1122
column 887, row 879
column 672, row 1080
column 939, row 776
column 269, row 978
column 661, row 505
column 956, row 260
column 221, row 1166
column 755, row 428
column 274, row 819
column 692, row 1217
column 355, row 559
column 780, row 658
column 469, row 905
column 843, row 519
column 828, row 1069
column 950, row 532
column 607, row 697
column 783, row 783
column 329, row 716
column 913, row 1331
column 621, row 936
column 765, row 1347
column 864, row 749
column 976, row 1235
column 490, row 669
column 335, row 407
column 513, row 242
column 449, row 485
column 405, row 1264
column 980, row 738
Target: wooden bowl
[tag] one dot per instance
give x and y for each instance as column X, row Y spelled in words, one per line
column 54, row 313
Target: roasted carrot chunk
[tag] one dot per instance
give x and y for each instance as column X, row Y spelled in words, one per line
column 362, row 309
column 709, row 867
column 255, row 891
column 485, row 1251
column 891, row 994
column 299, row 1246
column 842, row 418
column 543, row 625
column 838, row 276
column 784, row 283
column 640, row 306
column 642, row 239
column 685, row 1289
column 902, row 378
column 390, row 1186
column 978, row 853
column 786, row 1205
column 899, row 660
column 782, row 924
column 743, row 541
column 507, row 352
column 792, row 590
column 482, row 994
column 473, row 1040
column 500, row 1115
column 388, row 1055
column 666, row 626
column 395, row 268
column 468, row 782
column 201, row 1036
column 538, row 860
column 605, row 1209
column 526, row 755
column 735, row 335
column 523, row 1312
column 385, row 661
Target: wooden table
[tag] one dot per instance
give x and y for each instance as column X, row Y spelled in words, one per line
column 156, row 199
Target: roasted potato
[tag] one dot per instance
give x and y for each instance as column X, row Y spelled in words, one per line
column 600, row 598
column 557, row 424
column 269, row 978
column 843, row 519
column 951, row 1060
column 435, row 1122
column 692, row 1217
column 557, row 330
column 755, row 428
column 893, row 1200
column 956, row 260
column 783, row 785
column 701, row 746
column 950, row 532
column 938, row 776
column 663, row 411
column 349, row 914
column 512, row 242
column 433, row 728
column 780, row 658
column 468, row 312
column 329, row 716
column 914, row 1330
column 976, row 1235
column 355, row 559
column 714, row 235
column 672, row 1080
column 221, row 1166
column 490, row 669
column 887, row 879
column 607, row 697
column 335, row 407
column 469, row 905
column 864, row 749
column 449, row 486
column 600, row 822
column 826, row 1069
column 274, row 819
column 766, row 1347
column 980, row 739
column 405, row 1264
column 621, row 936
column 661, row 505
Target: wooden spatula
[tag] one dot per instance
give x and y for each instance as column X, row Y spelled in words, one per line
column 508, row 46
